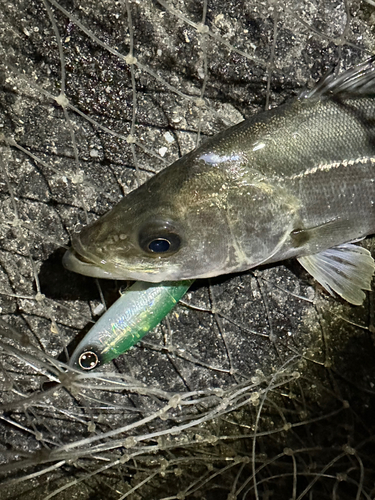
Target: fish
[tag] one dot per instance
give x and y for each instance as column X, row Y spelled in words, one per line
column 295, row 181
column 138, row 310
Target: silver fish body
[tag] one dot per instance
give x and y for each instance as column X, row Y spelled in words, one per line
column 293, row 181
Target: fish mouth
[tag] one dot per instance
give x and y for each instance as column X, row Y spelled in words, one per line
column 73, row 261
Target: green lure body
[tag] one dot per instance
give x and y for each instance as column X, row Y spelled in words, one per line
column 127, row 321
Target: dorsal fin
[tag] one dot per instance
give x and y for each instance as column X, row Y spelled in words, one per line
column 358, row 81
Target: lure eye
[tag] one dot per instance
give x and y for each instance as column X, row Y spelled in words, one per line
column 88, row 360
column 159, row 238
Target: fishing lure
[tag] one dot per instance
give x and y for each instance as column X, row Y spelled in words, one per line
column 128, row 320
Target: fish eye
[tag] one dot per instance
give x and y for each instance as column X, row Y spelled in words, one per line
column 88, row 360
column 159, row 238
column 160, row 245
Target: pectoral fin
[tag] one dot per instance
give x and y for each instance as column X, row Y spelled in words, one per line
column 346, row 269
column 329, row 233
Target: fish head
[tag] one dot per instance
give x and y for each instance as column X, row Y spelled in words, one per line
column 170, row 228
column 203, row 216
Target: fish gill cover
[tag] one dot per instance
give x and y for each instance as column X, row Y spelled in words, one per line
column 260, row 385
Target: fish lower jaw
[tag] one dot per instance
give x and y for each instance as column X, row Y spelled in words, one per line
column 75, row 263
